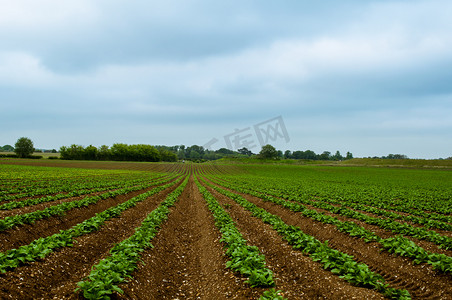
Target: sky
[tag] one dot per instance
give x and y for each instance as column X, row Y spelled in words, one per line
column 369, row 77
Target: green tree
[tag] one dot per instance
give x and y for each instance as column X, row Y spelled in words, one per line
column 103, row 152
column 326, row 155
column 166, row 155
column 90, row 153
column 24, row 147
column 338, row 156
column 245, row 151
column 224, row 151
column 268, row 152
column 287, row 154
column 349, row 155
column 194, row 154
column 8, row 148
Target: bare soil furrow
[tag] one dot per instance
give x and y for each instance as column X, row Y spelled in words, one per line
column 417, row 279
column 25, row 234
column 56, row 276
column 187, row 261
column 296, row 274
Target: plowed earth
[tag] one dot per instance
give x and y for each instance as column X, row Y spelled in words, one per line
column 420, row 280
column 187, row 260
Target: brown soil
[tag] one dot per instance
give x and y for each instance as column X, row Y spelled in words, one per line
column 420, row 280
column 57, row 275
column 297, row 275
column 187, row 261
column 25, row 234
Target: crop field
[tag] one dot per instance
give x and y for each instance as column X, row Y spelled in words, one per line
column 117, row 230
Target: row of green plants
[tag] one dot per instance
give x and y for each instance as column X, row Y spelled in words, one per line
column 60, row 209
column 43, row 246
column 106, row 276
column 420, row 217
column 385, row 223
column 15, row 175
column 333, row 260
column 69, row 185
column 398, row 245
column 76, row 191
column 421, row 192
column 376, row 206
column 245, row 259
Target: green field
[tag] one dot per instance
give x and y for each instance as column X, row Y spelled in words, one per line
column 75, row 229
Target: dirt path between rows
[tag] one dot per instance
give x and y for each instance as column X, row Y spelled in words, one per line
column 295, row 274
column 56, row 276
column 187, row 261
column 420, row 280
column 25, row 234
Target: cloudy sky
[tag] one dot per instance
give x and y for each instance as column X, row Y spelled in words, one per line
column 370, row 77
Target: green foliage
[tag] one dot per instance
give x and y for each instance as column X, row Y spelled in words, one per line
column 42, row 247
column 7, row 148
column 113, row 270
column 121, row 152
column 23, row 147
column 268, row 152
column 337, row 262
column 245, row 259
column 60, row 209
column 272, row 294
column 400, row 246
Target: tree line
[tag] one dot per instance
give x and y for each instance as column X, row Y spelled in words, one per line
column 141, row 152
column 119, row 152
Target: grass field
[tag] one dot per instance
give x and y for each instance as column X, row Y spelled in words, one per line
column 78, row 229
column 44, row 155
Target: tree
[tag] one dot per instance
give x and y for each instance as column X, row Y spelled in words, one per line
column 224, row 151
column 90, row 153
column 269, row 152
column 24, row 147
column 194, row 152
column 326, row 155
column 287, row 154
column 245, row 151
column 8, row 148
column 103, row 152
column 338, row 156
column 167, row 155
column 349, row 155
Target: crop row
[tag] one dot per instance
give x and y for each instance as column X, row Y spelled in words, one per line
column 124, row 256
column 69, row 185
column 337, row 262
column 19, row 179
column 398, row 245
column 75, row 191
column 244, row 258
column 394, row 226
column 429, row 199
column 61, row 208
column 421, row 217
column 43, row 246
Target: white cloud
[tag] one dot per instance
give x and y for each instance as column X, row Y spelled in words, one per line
column 23, row 69
column 47, row 15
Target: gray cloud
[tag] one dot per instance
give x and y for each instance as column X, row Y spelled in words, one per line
column 111, row 71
